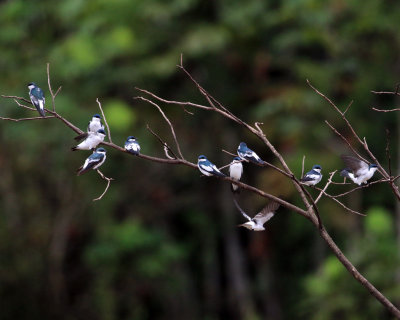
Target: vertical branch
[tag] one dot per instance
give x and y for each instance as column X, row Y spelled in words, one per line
column 105, row 120
column 53, row 95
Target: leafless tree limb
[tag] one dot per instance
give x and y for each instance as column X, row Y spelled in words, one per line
column 164, row 144
column 105, row 120
column 167, row 120
column 108, row 184
column 311, row 213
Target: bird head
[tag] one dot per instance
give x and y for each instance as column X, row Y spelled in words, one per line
column 131, row 139
column 31, row 85
column 202, row 158
column 372, row 166
column 101, row 131
column 242, row 146
column 317, row 167
column 101, row 150
column 236, row 159
column 97, row 116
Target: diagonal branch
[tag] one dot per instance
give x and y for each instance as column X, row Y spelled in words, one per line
column 167, row 120
column 105, row 120
column 108, row 185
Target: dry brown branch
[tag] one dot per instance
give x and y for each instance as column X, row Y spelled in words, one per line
column 53, row 95
column 385, row 110
column 326, row 186
column 167, row 120
column 302, row 166
column 164, row 144
column 25, row 119
column 108, row 184
column 105, row 120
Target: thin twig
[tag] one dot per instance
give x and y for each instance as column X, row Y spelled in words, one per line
column 326, row 186
column 167, row 120
column 53, row 96
column 388, row 151
column 165, row 145
column 302, row 166
column 345, row 140
column 385, row 110
column 25, row 119
column 105, row 120
column 108, row 184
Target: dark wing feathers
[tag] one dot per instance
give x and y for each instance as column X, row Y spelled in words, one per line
column 81, row 136
column 270, row 207
column 353, row 163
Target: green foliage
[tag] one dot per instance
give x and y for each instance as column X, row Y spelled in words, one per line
column 376, row 255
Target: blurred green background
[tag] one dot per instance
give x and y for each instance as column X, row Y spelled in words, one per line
column 163, row 242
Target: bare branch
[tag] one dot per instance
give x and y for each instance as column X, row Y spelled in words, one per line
column 326, row 186
column 105, row 120
column 302, row 166
column 167, row 120
column 53, row 96
column 385, row 110
column 108, row 184
column 165, row 145
column 25, row 119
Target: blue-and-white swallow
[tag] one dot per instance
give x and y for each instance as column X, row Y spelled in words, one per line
column 312, row 177
column 248, row 154
column 91, row 140
column 235, row 172
column 257, row 223
column 357, row 170
column 208, row 168
column 37, row 98
column 94, row 161
column 95, row 124
column 132, row 145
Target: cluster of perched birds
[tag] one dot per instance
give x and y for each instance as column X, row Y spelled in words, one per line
column 356, row 170
column 94, row 135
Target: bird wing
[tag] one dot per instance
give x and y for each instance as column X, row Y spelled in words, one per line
column 267, row 212
column 354, row 164
column 81, row 136
column 310, row 176
column 207, row 167
column 240, row 209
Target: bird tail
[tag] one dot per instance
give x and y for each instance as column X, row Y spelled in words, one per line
column 74, row 148
column 235, row 188
column 81, row 171
column 219, row 174
column 40, row 108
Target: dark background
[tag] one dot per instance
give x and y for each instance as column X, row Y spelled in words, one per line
column 163, row 242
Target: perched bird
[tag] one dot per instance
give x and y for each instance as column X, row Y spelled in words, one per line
column 235, row 172
column 95, row 124
column 311, row 178
column 257, row 223
column 132, row 145
column 37, row 98
column 248, row 154
column 95, row 160
column 357, row 170
column 208, row 168
column 91, row 140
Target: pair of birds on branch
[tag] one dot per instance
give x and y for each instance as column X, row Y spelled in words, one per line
column 90, row 140
column 356, row 170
